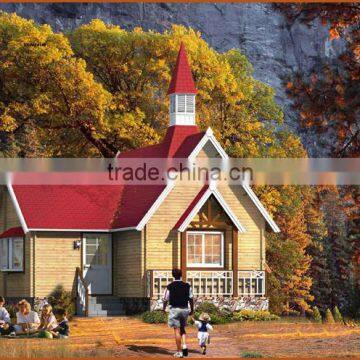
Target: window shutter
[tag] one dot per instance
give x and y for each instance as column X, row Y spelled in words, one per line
column 181, row 103
column 190, row 104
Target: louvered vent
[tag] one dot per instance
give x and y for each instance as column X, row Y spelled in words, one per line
column 181, row 103
column 190, row 104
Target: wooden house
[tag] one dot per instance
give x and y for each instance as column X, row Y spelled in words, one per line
column 115, row 246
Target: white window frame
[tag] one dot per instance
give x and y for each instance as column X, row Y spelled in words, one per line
column 204, row 264
column 10, row 267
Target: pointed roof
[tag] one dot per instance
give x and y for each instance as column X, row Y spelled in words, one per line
column 182, row 80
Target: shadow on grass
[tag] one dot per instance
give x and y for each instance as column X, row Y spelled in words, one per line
column 149, row 349
column 155, row 350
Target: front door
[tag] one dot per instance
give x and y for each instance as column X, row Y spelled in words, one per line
column 97, row 260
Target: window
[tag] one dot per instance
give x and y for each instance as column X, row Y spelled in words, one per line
column 205, row 249
column 97, row 249
column 185, row 103
column 172, row 103
column 12, row 254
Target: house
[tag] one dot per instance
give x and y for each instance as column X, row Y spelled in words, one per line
column 114, row 245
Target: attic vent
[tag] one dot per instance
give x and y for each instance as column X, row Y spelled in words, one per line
column 181, row 103
column 190, row 104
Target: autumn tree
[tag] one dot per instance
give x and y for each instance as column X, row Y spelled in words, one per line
column 102, row 89
column 328, row 102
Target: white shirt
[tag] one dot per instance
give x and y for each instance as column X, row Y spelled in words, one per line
column 31, row 317
column 4, row 315
column 167, row 294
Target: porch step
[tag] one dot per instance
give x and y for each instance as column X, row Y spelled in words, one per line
column 105, row 306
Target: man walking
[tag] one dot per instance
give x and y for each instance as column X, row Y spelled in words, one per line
column 179, row 295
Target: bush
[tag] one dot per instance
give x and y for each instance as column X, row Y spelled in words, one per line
column 62, row 299
column 316, row 315
column 154, row 317
column 254, row 315
column 329, row 319
column 337, row 315
column 12, row 310
column 207, row 307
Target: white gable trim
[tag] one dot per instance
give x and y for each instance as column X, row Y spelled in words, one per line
column 261, row 208
column 212, row 190
column 17, row 206
column 209, row 136
column 156, row 205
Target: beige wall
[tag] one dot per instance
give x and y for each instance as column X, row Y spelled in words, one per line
column 162, row 242
column 128, row 264
column 55, row 262
column 14, row 284
column 251, row 243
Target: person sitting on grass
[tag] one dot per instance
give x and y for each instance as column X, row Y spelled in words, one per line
column 27, row 321
column 62, row 331
column 203, row 327
column 5, row 323
column 48, row 321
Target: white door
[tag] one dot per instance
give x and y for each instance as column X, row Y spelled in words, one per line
column 97, row 260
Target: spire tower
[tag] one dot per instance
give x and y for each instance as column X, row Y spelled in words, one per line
column 182, row 92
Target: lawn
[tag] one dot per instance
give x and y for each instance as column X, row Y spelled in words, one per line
column 127, row 336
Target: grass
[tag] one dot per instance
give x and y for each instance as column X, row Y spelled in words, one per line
column 251, row 355
column 40, row 349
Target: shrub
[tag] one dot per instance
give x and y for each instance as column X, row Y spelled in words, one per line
column 337, row 315
column 154, row 317
column 329, row 319
column 62, row 299
column 254, row 315
column 207, row 307
column 316, row 315
column 12, row 310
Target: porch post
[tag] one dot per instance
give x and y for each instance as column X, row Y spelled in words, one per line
column 235, row 261
column 183, row 255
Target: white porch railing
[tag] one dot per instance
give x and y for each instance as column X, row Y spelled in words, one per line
column 210, row 283
column 83, row 292
column 251, row 283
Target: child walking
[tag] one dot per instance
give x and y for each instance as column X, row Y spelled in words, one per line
column 203, row 327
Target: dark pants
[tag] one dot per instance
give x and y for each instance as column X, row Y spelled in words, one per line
column 7, row 331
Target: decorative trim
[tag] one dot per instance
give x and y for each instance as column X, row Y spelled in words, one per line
column 156, row 205
column 212, row 190
column 17, row 206
column 209, row 136
column 261, row 208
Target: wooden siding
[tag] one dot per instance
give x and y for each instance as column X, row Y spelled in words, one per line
column 252, row 241
column 14, row 284
column 55, row 262
column 128, row 264
column 162, row 241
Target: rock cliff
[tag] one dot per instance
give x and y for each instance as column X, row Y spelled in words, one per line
column 275, row 48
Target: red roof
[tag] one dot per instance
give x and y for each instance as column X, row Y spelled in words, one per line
column 13, row 232
column 178, row 142
column 102, row 207
column 86, row 207
column 182, row 80
column 191, row 206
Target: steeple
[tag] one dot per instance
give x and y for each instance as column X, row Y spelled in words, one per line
column 182, row 92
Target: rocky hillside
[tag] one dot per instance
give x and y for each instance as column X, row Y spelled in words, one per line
column 275, row 48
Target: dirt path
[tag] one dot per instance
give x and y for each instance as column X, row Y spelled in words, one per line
column 129, row 336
